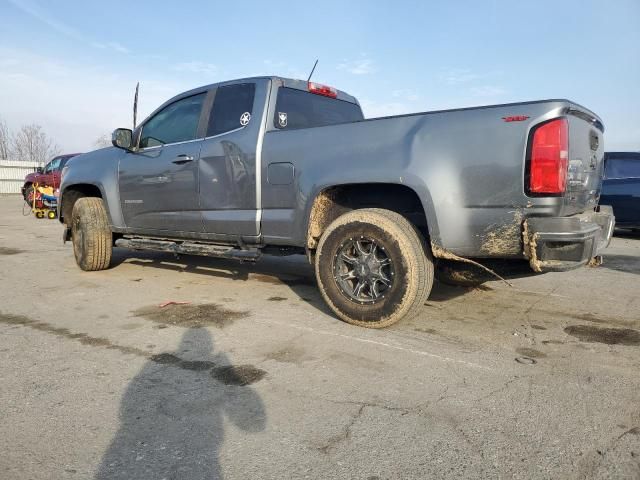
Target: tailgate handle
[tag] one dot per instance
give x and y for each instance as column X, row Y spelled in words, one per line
column 184, row 158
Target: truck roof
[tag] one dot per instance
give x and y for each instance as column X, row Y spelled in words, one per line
column 285, row 82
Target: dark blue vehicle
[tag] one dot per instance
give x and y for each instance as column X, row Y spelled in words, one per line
column 621, row 187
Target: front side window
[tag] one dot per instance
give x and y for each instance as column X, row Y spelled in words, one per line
column 53, row 165
column 232, row 108
column 177, row 122
column 64, row 161
column 300, row 109
column 620, row 167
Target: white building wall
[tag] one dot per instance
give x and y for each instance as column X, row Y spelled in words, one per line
column 12, row 173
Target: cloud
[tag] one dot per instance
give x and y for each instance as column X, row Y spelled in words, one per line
column 115, row 46
column 472, row 82
column 31, row 8
column 487, row 91
column 89, row 101
column 374, row 109
column 363, row 66
column 197, row 67
column 275, row 64
column 406, row 94
column 279, row 67
column 458, row 76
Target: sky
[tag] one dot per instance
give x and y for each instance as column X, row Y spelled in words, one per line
column 72, row 66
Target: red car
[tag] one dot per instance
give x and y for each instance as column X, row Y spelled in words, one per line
column 49, row 176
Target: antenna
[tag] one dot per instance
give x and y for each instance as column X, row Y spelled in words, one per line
column 135, row 106
column 312, row 70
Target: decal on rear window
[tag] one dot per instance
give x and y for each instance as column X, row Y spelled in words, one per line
column 282, row 119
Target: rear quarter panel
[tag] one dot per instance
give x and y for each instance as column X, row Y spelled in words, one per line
column 467, row 167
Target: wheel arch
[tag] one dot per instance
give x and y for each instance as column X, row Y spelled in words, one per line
column 332, row 201
column 70, row 195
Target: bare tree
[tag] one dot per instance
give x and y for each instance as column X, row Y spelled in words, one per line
column 31, row 143
column 103, row 141
column 4, row 140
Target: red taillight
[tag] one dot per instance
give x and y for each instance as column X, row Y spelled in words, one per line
column 323, row 90
column 549, row 159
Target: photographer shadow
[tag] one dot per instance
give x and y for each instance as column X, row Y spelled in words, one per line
column 172, row 414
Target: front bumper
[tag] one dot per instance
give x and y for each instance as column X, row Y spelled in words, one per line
column 563, row 243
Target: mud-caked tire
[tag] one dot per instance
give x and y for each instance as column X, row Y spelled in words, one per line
column 91, row 235
column 373, row 268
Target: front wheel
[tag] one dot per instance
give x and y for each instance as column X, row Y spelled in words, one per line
column 92, row 240
column 373, row 268
column 28, row 194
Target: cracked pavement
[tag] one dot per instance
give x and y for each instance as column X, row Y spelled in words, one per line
column 255, row 379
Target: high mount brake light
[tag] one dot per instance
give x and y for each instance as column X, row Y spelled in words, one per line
column 549, row 158
column 322, row 90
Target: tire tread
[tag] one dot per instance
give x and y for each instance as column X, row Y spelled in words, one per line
column 97, row 234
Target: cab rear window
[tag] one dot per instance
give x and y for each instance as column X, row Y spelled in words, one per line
column 300, row 109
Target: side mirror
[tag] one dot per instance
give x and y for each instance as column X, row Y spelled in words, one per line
column 122, row 138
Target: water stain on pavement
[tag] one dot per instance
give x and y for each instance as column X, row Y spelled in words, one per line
column 289, row 354
column 276, row 299
column 191, row 316
column 83, row 338
column 431, row 331
column 236, row 375
column 171, row 359
column 130, row 326
column 290, row 281
column 590, row 317
column 530, row 352
column 609, row 336
column 10, row 251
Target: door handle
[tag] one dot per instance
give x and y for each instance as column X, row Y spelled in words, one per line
column 180, row 159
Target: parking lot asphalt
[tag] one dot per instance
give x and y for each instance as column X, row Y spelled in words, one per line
column 254, row 378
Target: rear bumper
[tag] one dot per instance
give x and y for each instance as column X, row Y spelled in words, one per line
column 563, row 243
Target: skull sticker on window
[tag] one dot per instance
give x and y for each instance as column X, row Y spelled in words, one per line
column 282, row 119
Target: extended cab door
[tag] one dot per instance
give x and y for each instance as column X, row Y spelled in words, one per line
column 228, row 196
column 159, row 182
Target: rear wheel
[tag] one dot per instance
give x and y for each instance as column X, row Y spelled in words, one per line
column 92, row 240
column 373, row 268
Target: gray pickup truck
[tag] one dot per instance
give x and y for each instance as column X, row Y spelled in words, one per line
column 271, row 165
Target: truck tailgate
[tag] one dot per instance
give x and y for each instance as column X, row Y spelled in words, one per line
column 586, row 160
